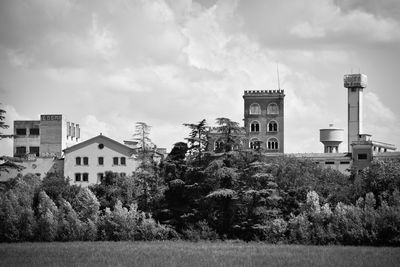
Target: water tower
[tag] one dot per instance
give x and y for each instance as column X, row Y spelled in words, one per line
column 331, row 138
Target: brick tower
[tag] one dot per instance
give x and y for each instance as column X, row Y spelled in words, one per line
column 264, row 119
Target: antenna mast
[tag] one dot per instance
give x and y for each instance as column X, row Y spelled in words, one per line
column 277, row 71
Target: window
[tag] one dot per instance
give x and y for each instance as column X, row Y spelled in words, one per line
column 122, row 174
column 100, row 160
column 101, row 146
column 255, row 109
column 273, row 144
column 100, row 177
column 85, row 177
column 362, row 156
column 329, row 163
column 123, row 161
column 255, row 144
column 77, row 177
column 218, row 145
column 345, row 162
column 21, row 150
column 273, row 109
column 34, row 131
column 85, row 161
column 21, row 131
column 273, row 126
column 34, row 150
column 78, row 160
column 115, row 160
column 254, row 126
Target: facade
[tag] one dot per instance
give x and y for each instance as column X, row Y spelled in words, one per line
column 264, row 119
column 86, row 162
column 46, row 137
column 38, row 166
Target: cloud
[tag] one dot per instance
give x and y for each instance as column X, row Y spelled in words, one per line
column 108, row 64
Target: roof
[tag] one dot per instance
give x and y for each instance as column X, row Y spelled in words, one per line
column 101, row 139
column 387, row 155
column 321, row 155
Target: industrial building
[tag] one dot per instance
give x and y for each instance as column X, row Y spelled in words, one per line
column 44, row 138
column 51, row 144
column 264, row 129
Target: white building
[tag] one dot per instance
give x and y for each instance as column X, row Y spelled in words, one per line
column 86, row 162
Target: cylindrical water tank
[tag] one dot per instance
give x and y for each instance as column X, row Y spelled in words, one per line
column 331, row 135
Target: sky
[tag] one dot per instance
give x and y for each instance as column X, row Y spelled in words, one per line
column 109, row 64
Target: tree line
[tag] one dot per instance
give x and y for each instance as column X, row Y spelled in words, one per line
column 198, row 195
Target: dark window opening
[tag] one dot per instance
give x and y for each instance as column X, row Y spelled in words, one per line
column 272, row 127
column 101, row 146
column 123, row 161
column 345, row 162
column 21, row 131
column 255, row 127
column 85, row 177
column 20, row 151
column 115, row 160
column 255, row 145
column 362, row 156
column 329, row 163
column 85, row 161
column 34, row 150
column 34, row 131
column 101, row 161
column 272, row 144
column 78, row 160
column 122, row 174
column 77, row 177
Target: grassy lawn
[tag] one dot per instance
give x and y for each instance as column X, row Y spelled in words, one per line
column 192, row 254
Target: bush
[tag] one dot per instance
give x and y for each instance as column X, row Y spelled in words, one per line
column 200, row 231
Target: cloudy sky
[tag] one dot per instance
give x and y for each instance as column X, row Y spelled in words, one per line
column 109, row 64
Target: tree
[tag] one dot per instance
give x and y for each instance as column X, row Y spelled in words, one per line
column 197, row 138
column 229, row 130
column 141, row 135
column 3, row 125
column 47, row 214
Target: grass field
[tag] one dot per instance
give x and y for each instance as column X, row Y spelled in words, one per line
column 192, row 254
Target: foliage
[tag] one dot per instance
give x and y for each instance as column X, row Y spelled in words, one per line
column 141, row 135
column 130, row 224
column 3, row 125
column 47, row 213
column 229, row 131
column 197, row 140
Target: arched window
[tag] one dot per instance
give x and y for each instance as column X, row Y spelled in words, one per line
column 255, row 144
column 273, row 109
column 254, row 126
column 272, row 126
column 218, row 145
column 255, row 109
column 273, row 144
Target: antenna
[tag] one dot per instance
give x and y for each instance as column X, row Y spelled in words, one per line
column 277, row 71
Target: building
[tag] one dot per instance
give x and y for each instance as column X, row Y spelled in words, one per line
column 46, row 137
column 264, row 119
column 85, row 163
column 35, row 165
column 264, row 129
